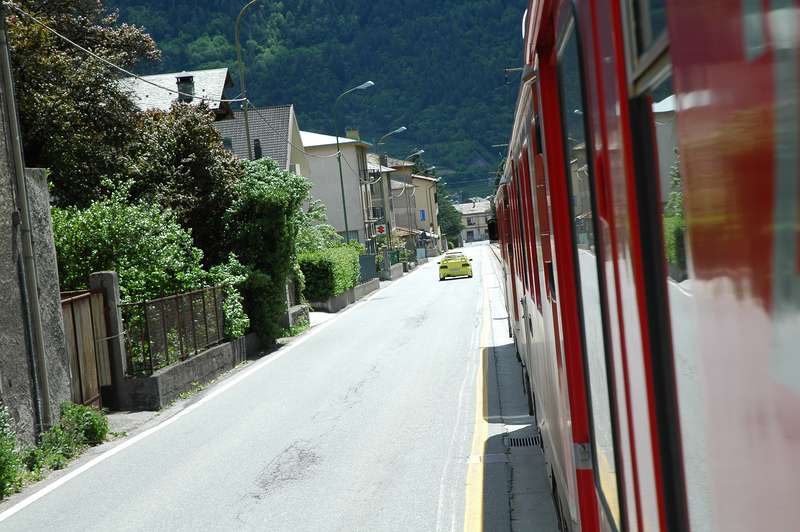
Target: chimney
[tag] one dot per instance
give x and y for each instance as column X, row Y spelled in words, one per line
column 352, row 133
column 384, row 160
column 186, row 86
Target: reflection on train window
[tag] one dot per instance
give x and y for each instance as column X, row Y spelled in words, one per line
column 651, row 22
column 673, row 221
column 580, row 184
column 682, row 317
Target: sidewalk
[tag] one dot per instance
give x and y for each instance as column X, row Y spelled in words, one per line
column 516, row 487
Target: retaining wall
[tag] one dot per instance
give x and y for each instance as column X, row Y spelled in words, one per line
column 165, row 385
column 366, row 288
column 395, row 272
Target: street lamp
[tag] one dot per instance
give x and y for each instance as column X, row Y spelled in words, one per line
column 241, row 79
column 387, row 185
column 413, row 194
column 396, row 131
column 365, row 85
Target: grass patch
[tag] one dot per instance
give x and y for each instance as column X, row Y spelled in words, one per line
column 298, row 328
column 80, row 427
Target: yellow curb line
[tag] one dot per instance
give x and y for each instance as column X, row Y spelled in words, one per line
column 473, row 507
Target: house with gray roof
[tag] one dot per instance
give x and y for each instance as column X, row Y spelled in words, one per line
column 274, row 133
column 475, row 216
column 195, row 86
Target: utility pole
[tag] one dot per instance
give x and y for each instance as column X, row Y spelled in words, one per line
column 31, row 282
column 242, row 80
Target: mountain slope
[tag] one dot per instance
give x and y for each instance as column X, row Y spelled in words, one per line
column 438, row 67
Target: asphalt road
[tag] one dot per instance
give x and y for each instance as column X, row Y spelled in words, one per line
column 365, row 424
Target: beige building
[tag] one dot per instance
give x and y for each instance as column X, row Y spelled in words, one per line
column 426, row 198
column 475, row 216
column 328, row 189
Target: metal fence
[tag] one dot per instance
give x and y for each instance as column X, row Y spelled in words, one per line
column 164, row 331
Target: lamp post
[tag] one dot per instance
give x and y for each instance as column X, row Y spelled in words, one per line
column 413, row 193
column 241, row 79
column 387, row 185
column 365, row 85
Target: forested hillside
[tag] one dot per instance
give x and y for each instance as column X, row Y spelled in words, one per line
column 437, row 64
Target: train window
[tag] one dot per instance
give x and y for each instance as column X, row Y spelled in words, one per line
column 651, row 22
column 519, row 190
column 682, row 431
column 588, row 267
column 646, row 22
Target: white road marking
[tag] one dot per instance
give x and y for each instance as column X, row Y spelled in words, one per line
column 468, row 373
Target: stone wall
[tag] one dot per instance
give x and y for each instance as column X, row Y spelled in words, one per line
column 16, row 372
column 18, row 389
column 44, row 249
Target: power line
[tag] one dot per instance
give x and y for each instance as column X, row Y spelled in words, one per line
column 109, row 63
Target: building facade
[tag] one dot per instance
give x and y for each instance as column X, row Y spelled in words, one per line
column 426, row 199
column 328, row 189
column 274, row 133
column 475, row 216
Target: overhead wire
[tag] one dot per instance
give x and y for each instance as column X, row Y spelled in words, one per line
column 157, row 85
column 109, row 63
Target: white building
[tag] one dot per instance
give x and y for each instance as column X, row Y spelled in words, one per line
column 475, row 216
column 328, row 188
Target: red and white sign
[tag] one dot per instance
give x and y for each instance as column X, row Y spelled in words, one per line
column 380, row 229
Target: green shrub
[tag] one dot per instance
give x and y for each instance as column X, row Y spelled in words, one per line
column 56, row 448
column 232, row 275
column 329, row 272
column 85, row 424
column 263, row 223
column 314, row 233
column 264, row 302
column 79, row 426
column 143, row 243
column 10, row 459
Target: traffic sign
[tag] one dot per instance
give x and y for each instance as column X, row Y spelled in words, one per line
column 380, row 229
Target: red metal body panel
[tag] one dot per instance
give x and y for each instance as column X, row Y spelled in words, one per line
column 736, row 75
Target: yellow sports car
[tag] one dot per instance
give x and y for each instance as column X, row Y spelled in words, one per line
column 454, row 264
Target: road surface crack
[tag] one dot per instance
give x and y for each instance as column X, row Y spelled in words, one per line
column 295, row 463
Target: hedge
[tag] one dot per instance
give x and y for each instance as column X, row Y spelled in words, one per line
column 329, row 272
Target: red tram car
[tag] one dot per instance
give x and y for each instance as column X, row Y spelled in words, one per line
column 650, row 236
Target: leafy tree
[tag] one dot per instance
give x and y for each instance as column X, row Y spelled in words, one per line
column 263, row 222
column 449, row 218
column 314, row 233
column 153, row 255
column 180, row 163
column 75, row 119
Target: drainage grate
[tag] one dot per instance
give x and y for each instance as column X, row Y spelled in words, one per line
column 529, row 441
